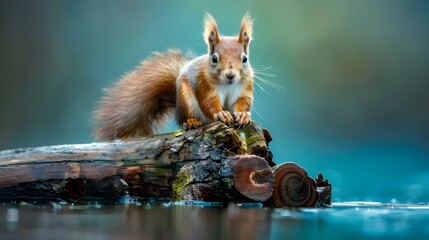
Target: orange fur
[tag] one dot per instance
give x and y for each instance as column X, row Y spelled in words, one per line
column 243, row 104
column 184, row 96
column 206, row 95
column 245, row 35
column 211, row 32
column 137, row 104
column 198, row 91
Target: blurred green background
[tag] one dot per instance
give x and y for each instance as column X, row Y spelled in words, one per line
column 356, row 77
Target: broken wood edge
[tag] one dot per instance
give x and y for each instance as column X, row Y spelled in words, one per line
column 256, row 140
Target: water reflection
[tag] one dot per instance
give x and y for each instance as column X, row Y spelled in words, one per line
column 134, row 221
column 57, row 221
column 12, row 218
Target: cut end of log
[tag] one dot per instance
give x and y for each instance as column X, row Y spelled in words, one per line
column 293, row 187
column 214, row 163
column 253, row 177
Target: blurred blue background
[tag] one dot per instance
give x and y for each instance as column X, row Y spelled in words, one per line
column 356, row 77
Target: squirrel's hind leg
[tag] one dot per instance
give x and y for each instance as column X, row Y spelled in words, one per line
column 185, row 111
column 192, row 123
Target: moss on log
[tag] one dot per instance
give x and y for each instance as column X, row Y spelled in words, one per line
column 207, row 164
column 213, row 163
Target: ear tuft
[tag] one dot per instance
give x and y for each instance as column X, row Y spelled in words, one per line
column 211, row 33
column 246, row 31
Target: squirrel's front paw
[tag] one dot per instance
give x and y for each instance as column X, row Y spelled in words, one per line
column 241, row 119
column 192, row 123
column 224, row 117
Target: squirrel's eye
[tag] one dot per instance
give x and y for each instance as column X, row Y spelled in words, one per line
column 214, row 58
column 244, row 59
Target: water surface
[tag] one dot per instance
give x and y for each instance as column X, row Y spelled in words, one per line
column 345, row 220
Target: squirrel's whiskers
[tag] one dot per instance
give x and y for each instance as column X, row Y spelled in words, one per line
column 261, row 75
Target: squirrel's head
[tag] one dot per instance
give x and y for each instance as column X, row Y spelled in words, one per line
column 228, row 56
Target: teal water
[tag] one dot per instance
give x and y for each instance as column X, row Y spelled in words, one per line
column 355, row 107
column 345, row 220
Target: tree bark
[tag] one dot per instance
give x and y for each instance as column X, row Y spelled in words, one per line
column 213, row 163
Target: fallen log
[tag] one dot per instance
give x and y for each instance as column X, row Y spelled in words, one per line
column 213, row 163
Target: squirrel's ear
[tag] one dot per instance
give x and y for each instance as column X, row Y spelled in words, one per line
column 211, row 33
column 245, row 31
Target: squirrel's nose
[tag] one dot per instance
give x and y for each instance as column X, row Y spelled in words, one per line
column 230, row 75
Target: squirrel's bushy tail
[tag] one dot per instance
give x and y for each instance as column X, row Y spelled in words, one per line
column 139, row 102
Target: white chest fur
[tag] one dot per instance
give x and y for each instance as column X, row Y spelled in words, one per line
column 228, row 95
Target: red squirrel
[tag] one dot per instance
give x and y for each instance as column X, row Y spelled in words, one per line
column 217, row 86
